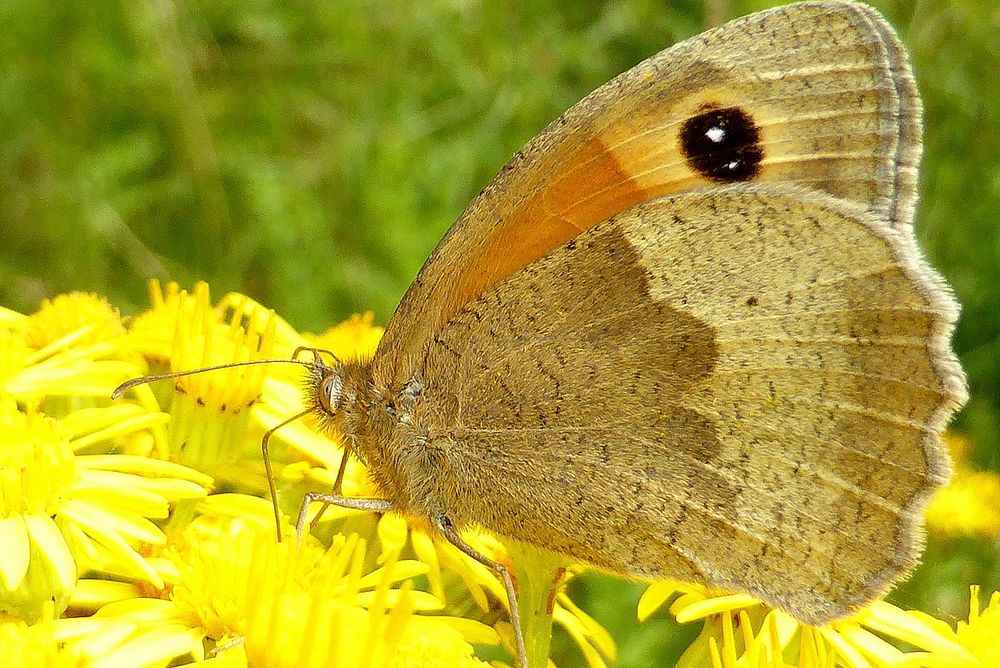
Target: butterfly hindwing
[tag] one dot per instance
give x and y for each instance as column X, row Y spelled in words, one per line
column 766, row 421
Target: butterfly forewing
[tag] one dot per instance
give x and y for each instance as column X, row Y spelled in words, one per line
column 815, row 93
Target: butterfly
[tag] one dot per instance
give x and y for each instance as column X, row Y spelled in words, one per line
column 686, row 332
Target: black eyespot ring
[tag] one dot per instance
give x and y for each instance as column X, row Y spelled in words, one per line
column 722, row 144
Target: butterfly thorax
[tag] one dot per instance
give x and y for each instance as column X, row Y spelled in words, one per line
column 376, row 425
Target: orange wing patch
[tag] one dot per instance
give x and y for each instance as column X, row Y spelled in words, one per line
column 589, row 187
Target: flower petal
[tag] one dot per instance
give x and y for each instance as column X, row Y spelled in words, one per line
column 16, row 551
column 653, row 599
column 49, row 541
column 146, row 466
column 155, row 647
column 887, row 618
column 104, row 528
column 699, row 609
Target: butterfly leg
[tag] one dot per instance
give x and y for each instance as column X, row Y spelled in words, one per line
column 270, row 473
column 370, row 505
column 225, row 647
column 447, row 529
column 337, row 484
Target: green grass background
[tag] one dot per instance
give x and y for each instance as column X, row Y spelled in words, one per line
column 312, row 154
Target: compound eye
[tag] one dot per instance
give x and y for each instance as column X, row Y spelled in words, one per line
column 330, row 390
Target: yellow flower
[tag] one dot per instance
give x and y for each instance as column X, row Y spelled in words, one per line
column 67, row 505
column 970, row 503
column 12, row 319
column 85, row 316
column 313, row 609
column 541, row 575
column 57, row 361
column 15, row 354
column 65, row 512
column 36, row 467
column 219, row 416
column 594, row 641
column 34, row 645
column 286, row 605
column 158, row 331
column 210, row 411
column 980, row 634
column 144, row 632
column 740, row 630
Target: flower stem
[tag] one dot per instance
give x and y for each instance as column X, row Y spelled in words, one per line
column 540, row 574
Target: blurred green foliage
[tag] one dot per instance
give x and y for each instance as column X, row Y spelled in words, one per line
column 312, row 154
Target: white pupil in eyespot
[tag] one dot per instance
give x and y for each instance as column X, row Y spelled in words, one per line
column 715, row 134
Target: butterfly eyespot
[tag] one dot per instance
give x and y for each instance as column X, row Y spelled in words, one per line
column 722, row 144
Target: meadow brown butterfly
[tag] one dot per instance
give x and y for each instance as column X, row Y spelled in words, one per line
column 686, row 332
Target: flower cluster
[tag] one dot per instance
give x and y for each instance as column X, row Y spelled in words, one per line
column 136, row 532
column 140, row 531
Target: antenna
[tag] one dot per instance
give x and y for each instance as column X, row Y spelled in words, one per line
column 317, row 362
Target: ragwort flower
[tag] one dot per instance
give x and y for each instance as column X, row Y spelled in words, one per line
column 739, row 630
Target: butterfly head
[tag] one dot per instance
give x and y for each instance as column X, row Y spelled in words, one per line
column 338, row 393
column 326, row 387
